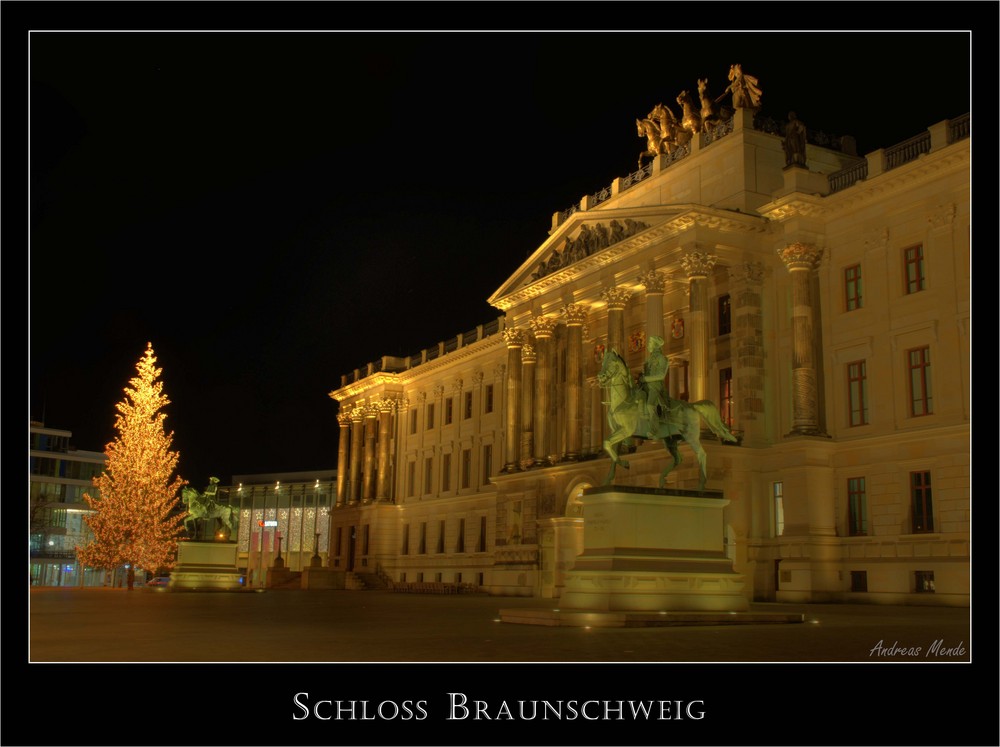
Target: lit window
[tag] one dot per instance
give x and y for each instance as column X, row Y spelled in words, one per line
column 852, row 287
column 913, row 261
column 857, row 393
column 726, row 396
column 918, row 363
column 923, row 582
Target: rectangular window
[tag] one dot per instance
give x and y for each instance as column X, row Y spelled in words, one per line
column 726, row 396
column 466, row 467
column 481, row 547
column 460, row 541
column 923, row 582
column 468, row 405
column 413, row 421
column 778, row 492
column 487, row 463
column 918, row 363
column 923, row 508
column 857, row 393
column 857, row 507
column 440, row 544
column 445, row 473
column 913, row 261
column 411, row 479
column 428, row 475
column 859, row 581
column 364, row 539
column 488, row 398
column 725, row 315
column 448, row 408
column 423, row 538
column 430, row 417
column 406, row 540
column 852, row 288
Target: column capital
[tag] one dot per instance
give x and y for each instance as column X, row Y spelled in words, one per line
column 513, row 337
column 542, row 326
column 528, row 353
column 616, row 298
column 420, row 397
column 698, row 264
column 386, row 404
column 576, row 314
column 653, row 281
column 456, row 385
column 344, row 418
column 439, row 390
column 358, row 413
column 799, row 256
column 371, row 410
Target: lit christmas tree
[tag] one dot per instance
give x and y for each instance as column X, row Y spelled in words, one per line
column 137, row 518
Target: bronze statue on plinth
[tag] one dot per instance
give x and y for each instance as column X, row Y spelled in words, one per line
column 203, row 507
column 646, row 411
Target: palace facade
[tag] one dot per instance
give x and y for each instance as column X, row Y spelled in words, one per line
column 822, row 305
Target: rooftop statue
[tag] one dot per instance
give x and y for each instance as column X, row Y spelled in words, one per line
column 646, row 411
column 673, row 133
column 655, row 144
column 711, row 113
column 746, row 94
column 795, row 141
column 203, row 507
column 691, row 118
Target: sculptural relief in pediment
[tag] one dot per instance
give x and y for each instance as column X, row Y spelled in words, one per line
column 591, row 238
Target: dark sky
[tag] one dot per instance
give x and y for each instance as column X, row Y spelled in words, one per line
column 272, row 210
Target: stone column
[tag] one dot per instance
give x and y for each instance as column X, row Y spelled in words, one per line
column 368, row 483
column 800, row 259
column 385, row 408
column 576, row 317
column 654, row 283
column 698, row 265
column 512, row 446
column 357, row 436
column 542, row 327
column 528, row 359
column 343, row 445
column 617, row 298
column 745, row 282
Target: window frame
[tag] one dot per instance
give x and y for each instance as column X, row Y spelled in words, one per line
column 857, row 507
column 918, row 377
column 853, row 288
column 914, row 269
column 857, row 393
column 724, row 314
column 921, row 502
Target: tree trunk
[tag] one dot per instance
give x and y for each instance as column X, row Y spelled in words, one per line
column 131, row 577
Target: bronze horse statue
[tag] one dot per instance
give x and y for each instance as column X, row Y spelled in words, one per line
column 655, row 144
column 682, row 422
column 691, row 118
column 204, row 506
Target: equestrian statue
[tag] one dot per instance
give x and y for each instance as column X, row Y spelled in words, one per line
column 203, row 507
column 645, row 411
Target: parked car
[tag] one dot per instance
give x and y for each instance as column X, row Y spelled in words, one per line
column 160, row 581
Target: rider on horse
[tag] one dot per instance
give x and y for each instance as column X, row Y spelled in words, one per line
column 650, row 392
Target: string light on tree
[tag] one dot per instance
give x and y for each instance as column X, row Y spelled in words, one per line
column 137, row 515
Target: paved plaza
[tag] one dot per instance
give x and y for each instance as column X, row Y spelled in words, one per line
column 145, row 625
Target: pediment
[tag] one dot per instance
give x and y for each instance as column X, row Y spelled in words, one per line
column 579, row 239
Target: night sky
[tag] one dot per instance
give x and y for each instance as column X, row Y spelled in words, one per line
column 272, row 210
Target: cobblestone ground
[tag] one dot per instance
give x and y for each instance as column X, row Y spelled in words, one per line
column 74, row 625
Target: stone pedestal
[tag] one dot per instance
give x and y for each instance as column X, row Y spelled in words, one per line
column 652, row 550
column 206, row 566
column 651, row 558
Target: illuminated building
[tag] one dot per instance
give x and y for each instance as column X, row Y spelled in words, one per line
column 824, row 308
column 59, row 475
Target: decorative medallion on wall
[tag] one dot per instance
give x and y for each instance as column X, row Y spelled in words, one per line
column 636, row 342
column 598, row 353
column 677, row 328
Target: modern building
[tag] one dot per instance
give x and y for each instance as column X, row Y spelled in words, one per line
column 819, row 298
column 58, row 476
column 285, row 512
